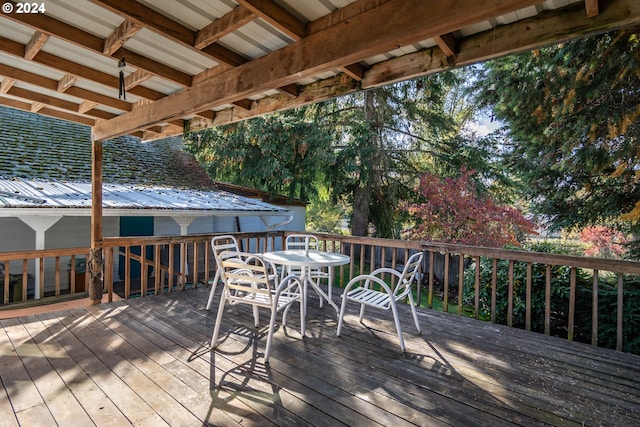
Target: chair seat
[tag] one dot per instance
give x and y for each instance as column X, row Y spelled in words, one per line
column 359, row 290
column 263, row 300
column 370, row 297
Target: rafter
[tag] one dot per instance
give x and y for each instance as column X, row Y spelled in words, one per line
column 447, row 43
column 66, row 82
column 35, row 44
column 592, row 8
column 6, row 84
column 120, row 35
column 237, row 18
column 136, row 78
column 277, row 16
column 37, row 106
column 86, row 106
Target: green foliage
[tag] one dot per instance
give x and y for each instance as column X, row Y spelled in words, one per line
column 572, row 116
column 324, row 216
column 559, row 298
column 283, row 153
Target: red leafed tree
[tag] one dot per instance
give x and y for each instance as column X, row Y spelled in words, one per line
column 603, row 241
column 454, row 212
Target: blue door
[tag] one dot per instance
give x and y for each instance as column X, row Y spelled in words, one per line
column 135, row 226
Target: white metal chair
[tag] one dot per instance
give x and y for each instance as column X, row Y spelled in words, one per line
column 220, row 244
column 385, row 298
column 310, row 242
column 247, row 280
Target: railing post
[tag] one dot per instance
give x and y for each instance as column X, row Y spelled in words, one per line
column 619, row 335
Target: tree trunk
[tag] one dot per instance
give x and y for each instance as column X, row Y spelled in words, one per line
column 361, row 208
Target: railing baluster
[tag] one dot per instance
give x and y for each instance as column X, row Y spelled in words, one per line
column 572, row 303
column 143, row 270
column 476, row 302
column 528, row 297
column 494, row 285
column 157, row 273
column 460, row 282
column 445, row 303
column 594, row 309
column 547, row 301
column 431, row 279
column 510, row 295
column 195, row 265
column 25, row 279
column 57, row 276
column 620, row 317
column 171, row 264
column 127, row 272
column 108, row 272
column 7, row 281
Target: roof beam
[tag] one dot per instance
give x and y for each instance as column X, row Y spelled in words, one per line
column 360, row 37
column 526, row 35
column 541, row 30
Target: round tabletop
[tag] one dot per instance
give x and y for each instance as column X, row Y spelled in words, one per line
column 302, row 258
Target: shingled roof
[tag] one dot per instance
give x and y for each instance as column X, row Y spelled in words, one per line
column 38, row 147
column 46, row 163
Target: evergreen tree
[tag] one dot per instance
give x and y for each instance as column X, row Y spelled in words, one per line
column 572, row 115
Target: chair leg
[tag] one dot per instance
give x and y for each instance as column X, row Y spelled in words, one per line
column 216, row 328
column 396, row 319
column 256, row 316
column 361, row 312
column 216, row 277
column 272, row 323
column 343, row 307
column 415, row 314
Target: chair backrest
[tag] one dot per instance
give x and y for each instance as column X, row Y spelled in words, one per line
column 301, row 241
column 223, row 243
column 410, row 273
column 246, row 277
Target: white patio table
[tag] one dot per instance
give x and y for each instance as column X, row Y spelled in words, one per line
column 306, row 259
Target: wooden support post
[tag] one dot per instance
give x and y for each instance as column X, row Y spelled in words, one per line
column 95, row 256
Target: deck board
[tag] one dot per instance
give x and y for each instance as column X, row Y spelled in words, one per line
column 146, row 361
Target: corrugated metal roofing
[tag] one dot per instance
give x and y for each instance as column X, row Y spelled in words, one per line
column 32, row 193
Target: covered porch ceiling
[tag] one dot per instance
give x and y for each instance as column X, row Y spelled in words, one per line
column 198, row 63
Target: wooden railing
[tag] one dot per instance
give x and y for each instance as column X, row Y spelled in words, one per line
column 38, row 274
column 141, row 266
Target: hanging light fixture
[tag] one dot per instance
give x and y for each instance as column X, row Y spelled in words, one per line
column 122, row 92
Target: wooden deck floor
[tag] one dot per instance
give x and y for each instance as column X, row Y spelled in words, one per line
column 145, row 362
